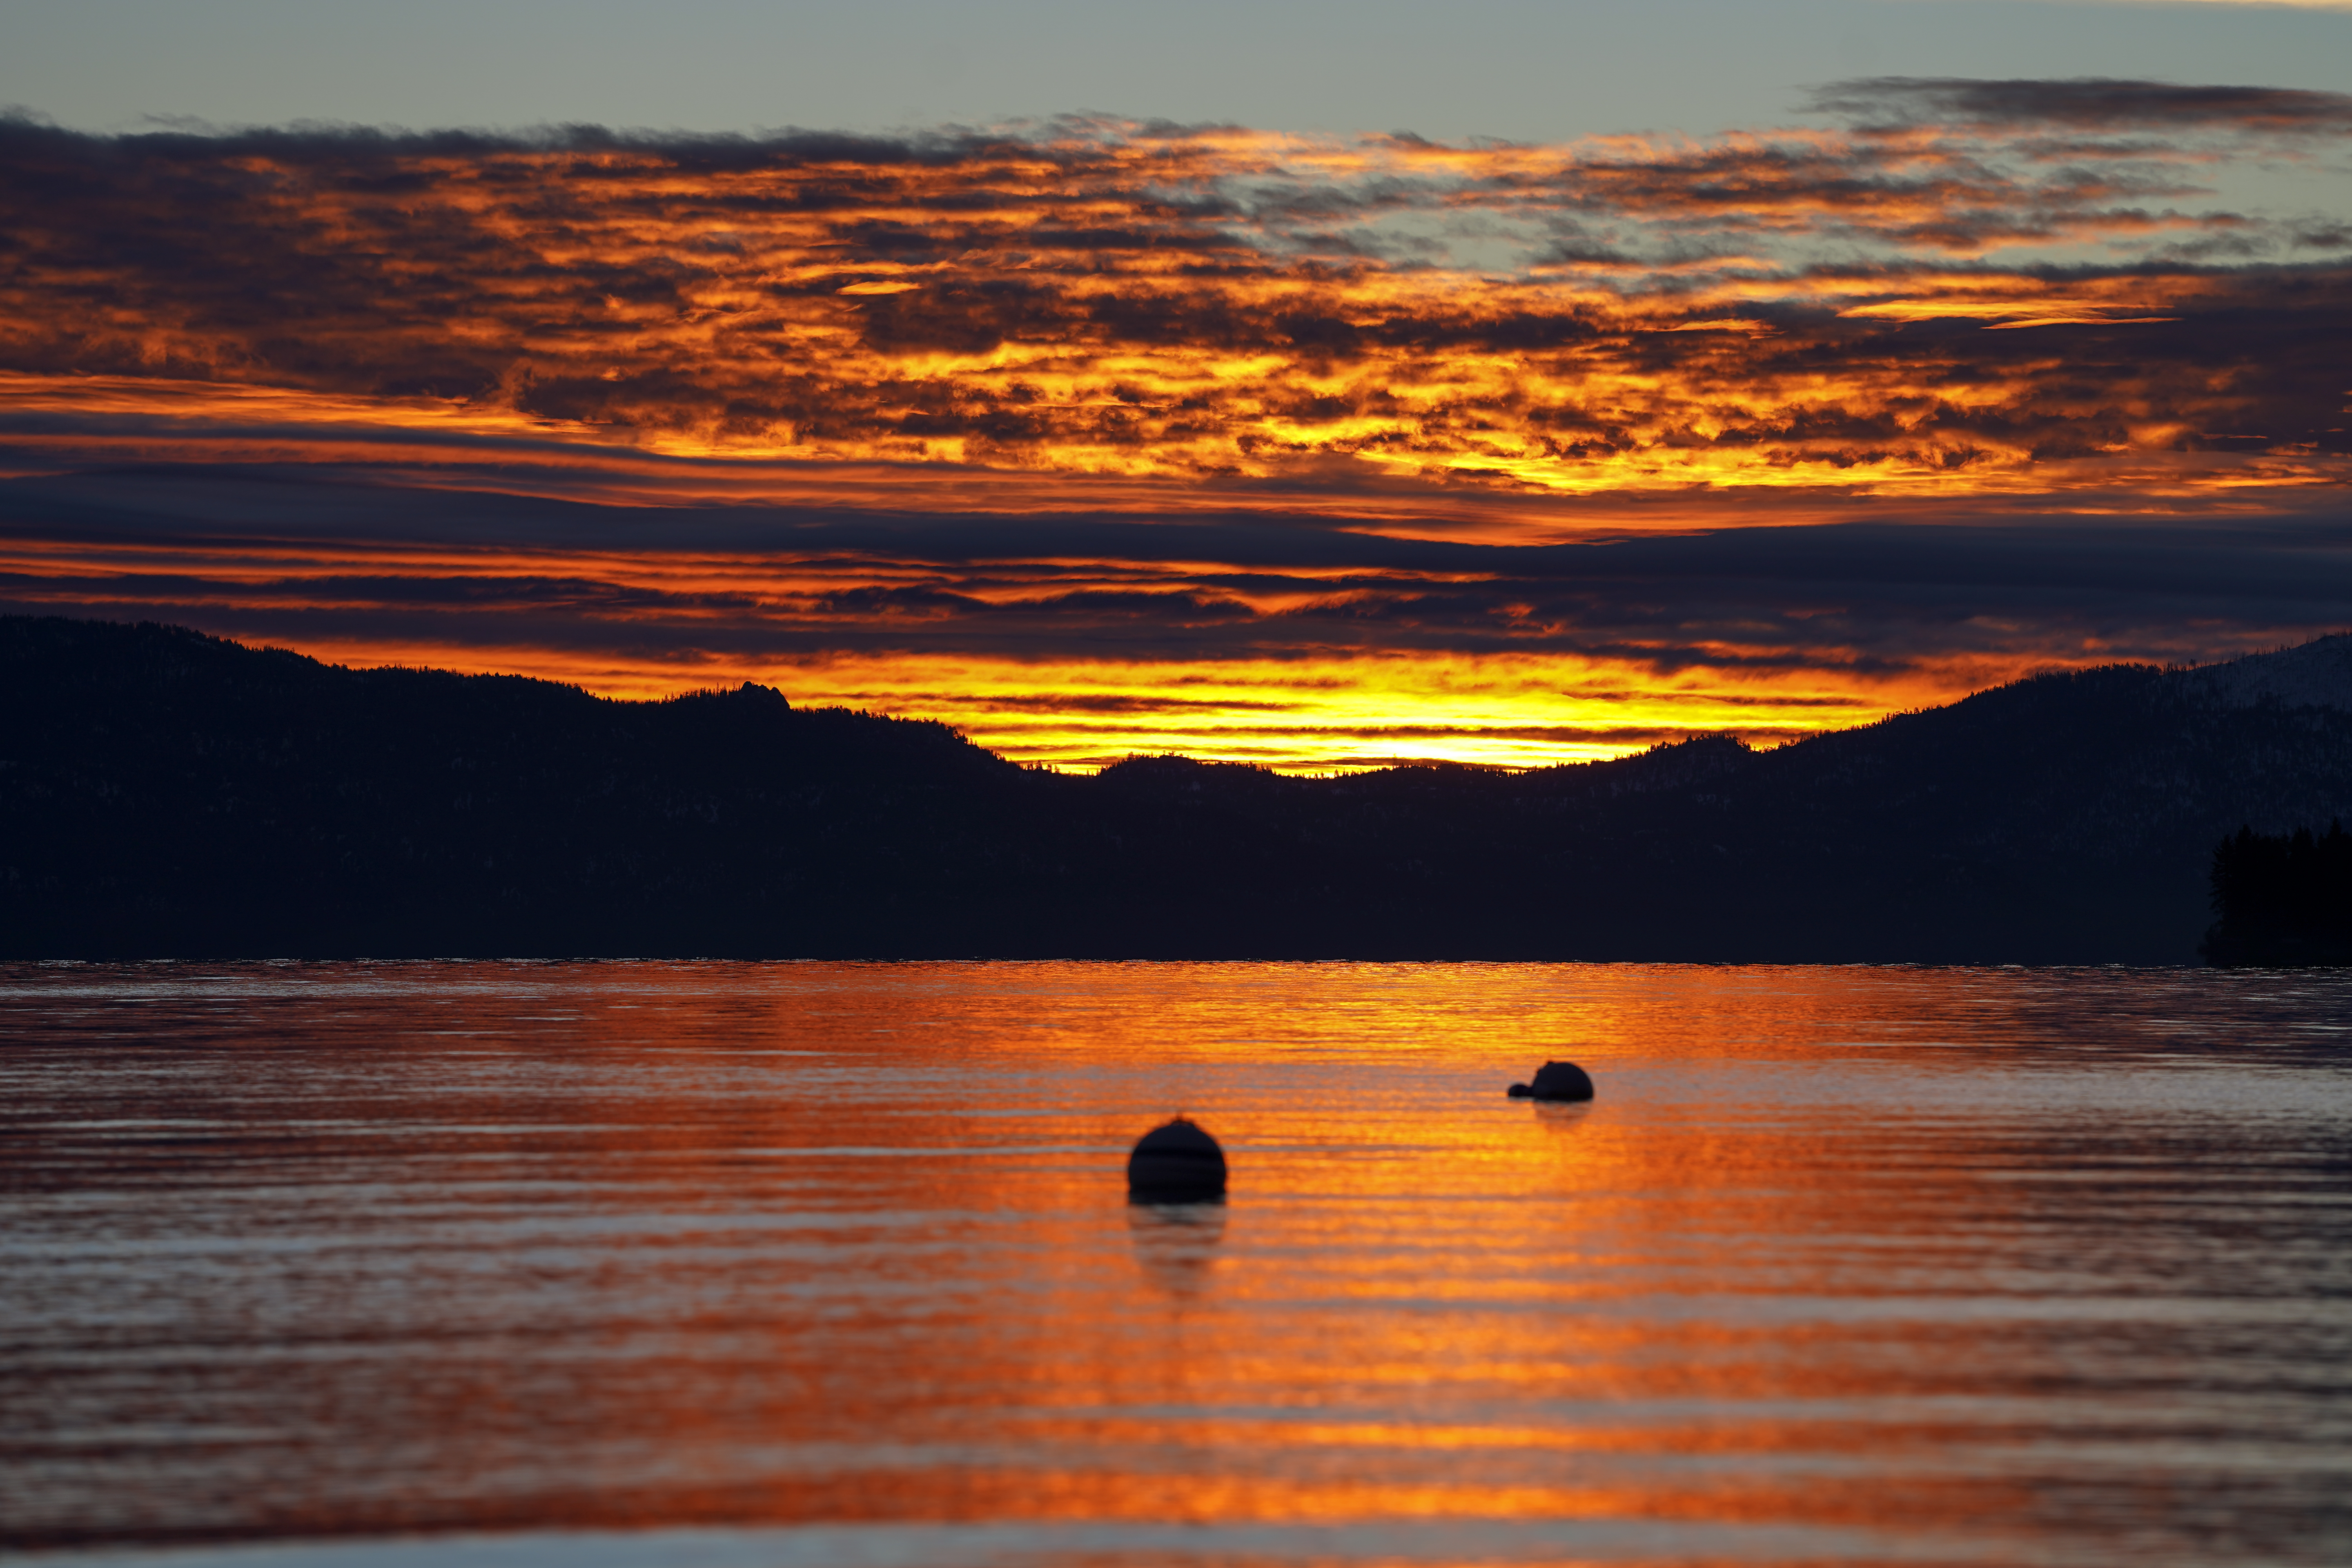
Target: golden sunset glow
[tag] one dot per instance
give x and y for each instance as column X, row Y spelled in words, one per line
column 1093, row 437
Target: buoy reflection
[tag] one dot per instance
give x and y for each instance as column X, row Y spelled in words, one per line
column 1176, row 1242
column 1562, row 1116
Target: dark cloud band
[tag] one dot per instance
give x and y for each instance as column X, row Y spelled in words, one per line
column 1875, row 594
column 2101, row 103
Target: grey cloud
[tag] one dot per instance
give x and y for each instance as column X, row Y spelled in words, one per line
column 2100, row 103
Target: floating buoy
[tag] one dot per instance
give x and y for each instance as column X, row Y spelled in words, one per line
column 1174, row 1162
column 1555, row 1080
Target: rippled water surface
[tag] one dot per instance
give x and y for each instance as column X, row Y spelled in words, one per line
column 721, row 1265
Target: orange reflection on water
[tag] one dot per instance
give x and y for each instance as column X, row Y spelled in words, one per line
column 1886, row 1252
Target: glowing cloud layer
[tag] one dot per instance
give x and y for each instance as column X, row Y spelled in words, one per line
column 653, row 412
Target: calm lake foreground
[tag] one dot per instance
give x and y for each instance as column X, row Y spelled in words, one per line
column 732, row 1266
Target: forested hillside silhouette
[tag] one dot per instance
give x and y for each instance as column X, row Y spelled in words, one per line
column 167, row 793
column 2283, row 898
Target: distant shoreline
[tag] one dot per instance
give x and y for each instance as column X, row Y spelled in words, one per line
column 166, row 793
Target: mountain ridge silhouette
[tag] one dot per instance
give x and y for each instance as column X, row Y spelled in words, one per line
column 165, row 793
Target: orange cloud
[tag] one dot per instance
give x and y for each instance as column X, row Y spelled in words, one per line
column 991, row 372
column 1109, row 300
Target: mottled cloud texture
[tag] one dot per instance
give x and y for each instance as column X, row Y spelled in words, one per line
column 1095, row 435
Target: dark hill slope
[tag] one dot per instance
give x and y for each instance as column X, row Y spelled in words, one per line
column 164, row 792
column 2068, row 818
column 168, row 793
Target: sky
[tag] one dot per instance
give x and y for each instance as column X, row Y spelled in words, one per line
column 1313, row 385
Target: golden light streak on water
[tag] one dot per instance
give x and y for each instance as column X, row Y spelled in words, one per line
column 390, row 1265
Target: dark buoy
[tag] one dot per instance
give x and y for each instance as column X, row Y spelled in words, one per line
column 1555, row 1080
column 1176, row 1162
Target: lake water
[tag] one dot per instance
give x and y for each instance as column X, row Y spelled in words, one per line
column 728, row 1265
